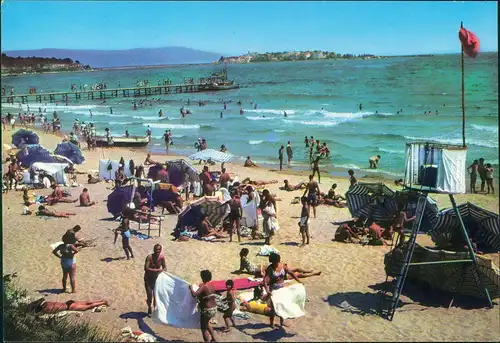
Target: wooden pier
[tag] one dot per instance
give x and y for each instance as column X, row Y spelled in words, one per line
column 102, row 94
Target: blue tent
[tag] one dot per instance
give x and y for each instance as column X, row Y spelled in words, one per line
column 29, row 137
column 118, row 199
column 71, row 151
column 36, row 153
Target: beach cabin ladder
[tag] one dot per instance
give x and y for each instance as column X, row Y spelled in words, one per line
column 390, row 294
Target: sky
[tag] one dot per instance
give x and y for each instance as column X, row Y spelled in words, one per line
column 233, row 28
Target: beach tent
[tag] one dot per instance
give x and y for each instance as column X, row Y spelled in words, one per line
column 178, row 169
column 119, row 199
column 71, row 151
column 28, row 136
column 36, row 153
column 108, row 168
column 191, row 214
column 212, row 155
column 460, row 278
column 482, row 227
column 371, row 200
column 54, row 170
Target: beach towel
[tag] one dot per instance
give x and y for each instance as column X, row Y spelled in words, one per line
column 289, row 302
column 241, row 283
column 267, row 250
column 175, row 305
column 55, row 245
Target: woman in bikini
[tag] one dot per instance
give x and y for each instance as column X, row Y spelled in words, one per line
column 206, row 305
column 68, row 263
column 274, row 280
column 153, row 266
column 50, row 307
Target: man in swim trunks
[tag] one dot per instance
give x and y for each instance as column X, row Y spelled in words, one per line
column 162, row 174
column 85, row 198
column 374, row 161
column 153, row 266
column 249, row 163
column 315, row 168
column 257, row 182
column 304, row 221
column 235, row 215
column 57, row 196
column 205, row 230
column 206, row 305
column 399, row 222
column 44, row 211
column 313, row 189
column 289, row 188
column 51, row 307
column 224, row 179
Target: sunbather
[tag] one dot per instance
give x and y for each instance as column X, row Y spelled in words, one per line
column 205, row 230
column 288, row 187
column 148, row 161
column 57, row 196
column 257, row 182
column 44, row 211
column 258, row 304
column 85, row 199
column 51, row 307
column 93, row 180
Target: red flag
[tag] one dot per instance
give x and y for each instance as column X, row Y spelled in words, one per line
column 469, row 41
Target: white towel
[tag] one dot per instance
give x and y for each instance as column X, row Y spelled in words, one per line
column 267, row 250
column 290, row 301
column 174, row 303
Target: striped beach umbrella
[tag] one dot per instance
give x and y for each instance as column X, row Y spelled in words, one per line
column 482, row 227
column 206, row 205
column 371, row 200
column 211, row 154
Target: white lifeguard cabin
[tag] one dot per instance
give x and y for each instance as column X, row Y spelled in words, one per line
column 435, row 168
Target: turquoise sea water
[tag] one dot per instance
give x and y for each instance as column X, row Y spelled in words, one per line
column 321, row 99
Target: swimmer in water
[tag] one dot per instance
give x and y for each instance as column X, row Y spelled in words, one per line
column 160, row 114
column 285, row 114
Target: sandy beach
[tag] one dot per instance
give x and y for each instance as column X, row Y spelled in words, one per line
column 349, row 271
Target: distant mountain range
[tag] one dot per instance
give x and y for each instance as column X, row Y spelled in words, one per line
column 124, row 58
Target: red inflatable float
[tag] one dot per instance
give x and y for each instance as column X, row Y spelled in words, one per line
column 469, row 41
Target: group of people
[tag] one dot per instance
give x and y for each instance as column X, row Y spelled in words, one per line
column 485, row 172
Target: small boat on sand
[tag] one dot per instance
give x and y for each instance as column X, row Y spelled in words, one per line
column 131, row 141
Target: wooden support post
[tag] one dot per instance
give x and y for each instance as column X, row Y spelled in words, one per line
column 39, row 98
column 78, row 96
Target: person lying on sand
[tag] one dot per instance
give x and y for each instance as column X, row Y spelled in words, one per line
column 345, row 234
column 249, row 181
column 148, row 161
column 249, row 163
column 85, row 199
column 205, row 229
column 57, row 196
column 44, row 211
column 93, row 180
column 289, row 188
column 50, row 307
column 258, row 304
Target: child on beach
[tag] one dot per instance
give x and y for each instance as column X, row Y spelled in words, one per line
column 124, row 230
column 352, row 178
column 258, row 304
column 304, row 221
column 230, row 297
column 489, row 178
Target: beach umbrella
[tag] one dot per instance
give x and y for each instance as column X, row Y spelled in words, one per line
column 371, row 200
column 180, row 171
column 482, row 227
column 119, row 198
column 71, row 151
column 191, row 215
column 211, row 154
column 28, row 136
column 164, row 192
column 461, row 278
column 36, row 153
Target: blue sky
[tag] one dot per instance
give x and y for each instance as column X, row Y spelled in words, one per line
column 381, row 28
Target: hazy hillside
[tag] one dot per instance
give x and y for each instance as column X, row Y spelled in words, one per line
column 121, row 58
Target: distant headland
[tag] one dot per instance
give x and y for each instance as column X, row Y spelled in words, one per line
column 294, row 56
column 27, row 65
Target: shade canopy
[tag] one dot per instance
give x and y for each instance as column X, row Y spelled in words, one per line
column 24, row 136
column 36, row 153
column 482, row 227
column 180, row 171
column 119, row 198
column 191, row 215
column 211, row 154
column 371, row 200
column 70, row 151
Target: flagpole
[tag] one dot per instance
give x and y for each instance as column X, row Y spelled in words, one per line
column 463, row 93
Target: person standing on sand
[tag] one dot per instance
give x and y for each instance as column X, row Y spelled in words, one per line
column 206, row 305
column 153, row 266
column 313, row 189
column 224, row 179
column 124, row 231
column 280, row 156
column 352, row 179
column 270, row 215
column 481, row 169
column 230, row 299
column 472, row 170
column 304, row 221
column 315, row 168
column 68, row 263
column 289, row 153
column 489, row 178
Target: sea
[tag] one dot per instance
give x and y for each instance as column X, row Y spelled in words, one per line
column 321, row 99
